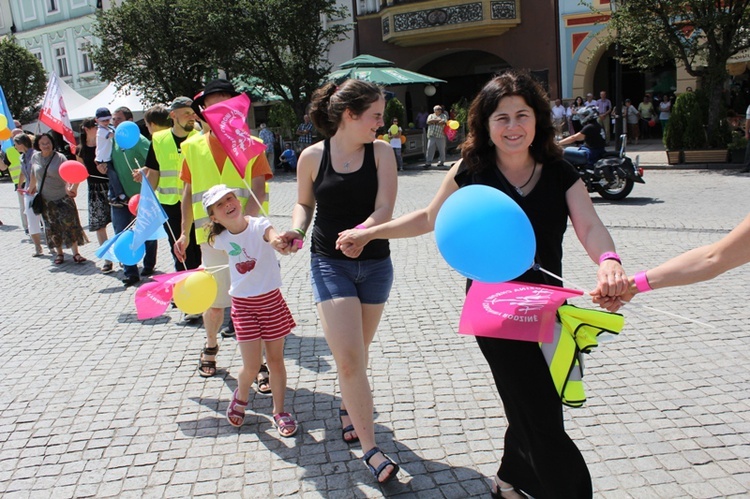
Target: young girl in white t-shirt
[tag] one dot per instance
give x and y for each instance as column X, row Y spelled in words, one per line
column 259, row 312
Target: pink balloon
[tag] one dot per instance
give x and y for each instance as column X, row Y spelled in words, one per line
column 133, row 204
column 73, row 172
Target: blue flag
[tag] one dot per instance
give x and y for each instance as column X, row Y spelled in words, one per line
column 106, row 250
column 150, row 217
column 5, row 110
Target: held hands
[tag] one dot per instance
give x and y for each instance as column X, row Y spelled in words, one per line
column 102, row 167
column 351, row 242
column 612, row 286
column 72, row 190
column 292, row 242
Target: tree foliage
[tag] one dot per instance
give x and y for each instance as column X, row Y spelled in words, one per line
column 22, row 77
column 685, row 126
column 699, row 34
column 284, row 43
column 394, row 109
column 167, row 48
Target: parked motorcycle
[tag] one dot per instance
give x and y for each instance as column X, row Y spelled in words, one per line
column 613, row 176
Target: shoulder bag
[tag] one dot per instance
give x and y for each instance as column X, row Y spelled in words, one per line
column 37, row 204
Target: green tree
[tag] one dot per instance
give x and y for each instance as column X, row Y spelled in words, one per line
column 394, row 109
column 156, row 46
column 699, row 34
column 281, row 116
column 23, row 79
column 685, row 125
column 284, row 43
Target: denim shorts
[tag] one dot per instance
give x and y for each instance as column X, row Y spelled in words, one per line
column 368, row 280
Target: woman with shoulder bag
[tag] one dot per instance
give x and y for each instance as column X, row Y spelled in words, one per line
column 61, row 222
column 23, row 145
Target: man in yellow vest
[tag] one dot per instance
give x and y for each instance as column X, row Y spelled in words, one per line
column 163, row 165
column 206, row 164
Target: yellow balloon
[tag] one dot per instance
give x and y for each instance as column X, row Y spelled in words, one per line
column 3, row 121
column 4, row 133
column 381, row 137
column 196, row 293
column 454, row 124
column 387, row 137
column 393, row 129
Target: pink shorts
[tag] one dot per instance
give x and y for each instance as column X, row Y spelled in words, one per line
column 265, row 317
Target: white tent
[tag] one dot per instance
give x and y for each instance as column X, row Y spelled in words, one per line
column 71, row 98
column 110, row 98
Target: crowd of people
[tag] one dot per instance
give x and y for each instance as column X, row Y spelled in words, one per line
column 646, row 119
column 349, row 180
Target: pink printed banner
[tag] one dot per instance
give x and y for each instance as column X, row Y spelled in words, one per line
column 54, row 114
column 153, row 298
column 228, row 122
column 513, row 310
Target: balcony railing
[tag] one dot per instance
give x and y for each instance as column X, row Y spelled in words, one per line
column 419, row 22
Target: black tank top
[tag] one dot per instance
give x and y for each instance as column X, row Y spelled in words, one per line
column 345, row 200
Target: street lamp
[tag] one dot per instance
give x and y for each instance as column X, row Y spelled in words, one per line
column 618, row 80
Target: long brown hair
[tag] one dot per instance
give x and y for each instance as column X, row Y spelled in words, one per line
column 478, row 151
column 329, row 103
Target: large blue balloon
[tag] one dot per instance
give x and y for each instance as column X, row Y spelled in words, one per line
column 485, row 235
column 127, row 134
column 123, row 252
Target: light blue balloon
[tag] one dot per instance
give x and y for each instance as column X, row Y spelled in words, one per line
column 123, row 252
column 127, row 134
column 484, row 235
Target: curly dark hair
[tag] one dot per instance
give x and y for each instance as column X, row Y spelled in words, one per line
column 477, row 151
column 330, row 101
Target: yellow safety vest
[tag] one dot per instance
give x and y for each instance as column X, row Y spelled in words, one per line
column 575, row 335
column 14, row 158
column 169, row 190
column 205, row 174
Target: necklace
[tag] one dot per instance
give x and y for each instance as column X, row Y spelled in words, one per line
column 519, row 190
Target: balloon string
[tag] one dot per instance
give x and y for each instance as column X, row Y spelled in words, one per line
column 567, row 282
column 215, row 269
column 637, row 305
column 97, row 176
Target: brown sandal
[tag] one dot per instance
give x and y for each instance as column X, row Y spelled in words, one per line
column 59, row 259
column 78, row 258
column 207, row 368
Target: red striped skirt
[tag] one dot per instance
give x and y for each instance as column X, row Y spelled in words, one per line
column 265, row 317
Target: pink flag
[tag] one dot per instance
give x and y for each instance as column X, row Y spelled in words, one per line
column 54, row 114
column 513, row 310
column 227, row 121
column 153, row 298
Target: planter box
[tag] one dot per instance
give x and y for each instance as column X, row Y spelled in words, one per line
column 674, row 157
column 706, row 156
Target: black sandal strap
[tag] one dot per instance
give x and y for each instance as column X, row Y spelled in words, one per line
column 210, row 350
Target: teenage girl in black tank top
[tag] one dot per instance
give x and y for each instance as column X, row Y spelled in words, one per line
column 351, row 179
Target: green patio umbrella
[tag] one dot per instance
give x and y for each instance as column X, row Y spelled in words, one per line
column 379, row 71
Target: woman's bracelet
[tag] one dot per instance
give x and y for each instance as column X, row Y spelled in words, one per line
column 360, row 226
column 610, row 255
column 300, row 232
column 641, row 282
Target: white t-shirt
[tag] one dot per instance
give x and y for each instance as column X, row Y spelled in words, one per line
column 253, row 266
column 104, row 140
column 747, row 113
column 396, row 141
column 558, row 112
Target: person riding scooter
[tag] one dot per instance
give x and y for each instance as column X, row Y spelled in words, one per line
column 592, row 135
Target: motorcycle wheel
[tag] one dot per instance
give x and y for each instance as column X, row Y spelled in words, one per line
column 619, row 189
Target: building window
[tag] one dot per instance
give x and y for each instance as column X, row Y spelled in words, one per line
column 62, row 62
column 28, row 12
column 38, row 55
column 52, row 6
column 78, row 3
column 87, row 65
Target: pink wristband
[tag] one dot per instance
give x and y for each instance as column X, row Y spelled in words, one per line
column 360, row 226
column 641, row 282
column 610, row 255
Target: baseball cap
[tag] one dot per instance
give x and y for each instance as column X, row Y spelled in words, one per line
column 214, row 194
column 103, row 113
column 180, row 102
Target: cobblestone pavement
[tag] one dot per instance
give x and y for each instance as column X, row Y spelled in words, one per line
column 95, row 403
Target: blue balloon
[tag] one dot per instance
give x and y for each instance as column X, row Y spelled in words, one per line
column 127, row 134
column 123, row 252
column 485, row 235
